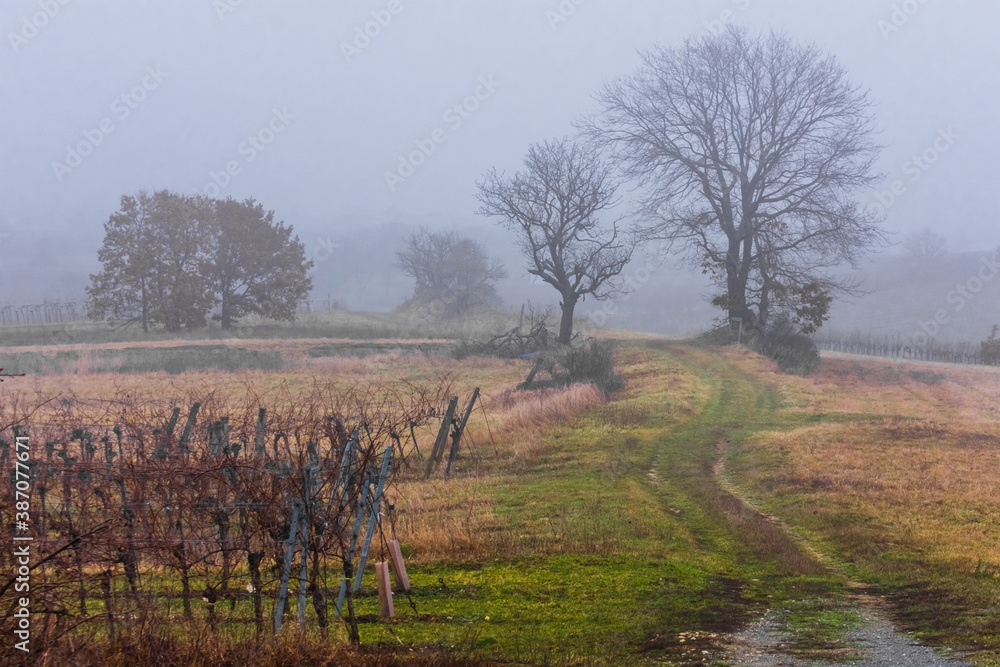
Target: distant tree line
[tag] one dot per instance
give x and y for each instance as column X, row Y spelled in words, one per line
column 169, row 259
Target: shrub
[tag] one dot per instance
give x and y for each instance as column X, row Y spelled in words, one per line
column 989, row 349
column 793, row 351
column 591, row 362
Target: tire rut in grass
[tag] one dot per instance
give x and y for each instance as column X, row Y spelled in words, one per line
column 774, row 640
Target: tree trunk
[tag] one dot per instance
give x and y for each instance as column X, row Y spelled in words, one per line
column 736, row 286
column 224, row 310
column 764, row 311
column 145, row 309
column 568, row 305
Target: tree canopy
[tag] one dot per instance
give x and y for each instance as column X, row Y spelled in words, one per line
column 749, row 152
column 554, row 206
column 255, row 265
column 452, row 273
column 169, row 259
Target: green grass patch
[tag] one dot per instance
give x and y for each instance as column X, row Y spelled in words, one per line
column 927, row 377
column 183, row 358
column 37, row 363
column 819, row 627
column 625, row 543
column 340, row 324
column 362, row 349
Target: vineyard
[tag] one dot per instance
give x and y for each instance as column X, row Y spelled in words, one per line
column 899, row 347
column 227, row 514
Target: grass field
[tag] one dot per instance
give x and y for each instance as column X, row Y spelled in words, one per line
column 337, row 324
column 578, row 530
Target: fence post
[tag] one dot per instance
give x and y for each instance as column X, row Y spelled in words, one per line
column 283, row 591
column 458, row 433
column 343, row 475
column 438, row 451
column 182, row 445
column 359, row 514
column 303, row 573
column 258, row 448
column 171, row 425
column 373, row 516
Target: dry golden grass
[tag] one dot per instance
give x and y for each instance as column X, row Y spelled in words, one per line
column 454, row 519
column 440, row 519
column 392, row 369
column 922, row 472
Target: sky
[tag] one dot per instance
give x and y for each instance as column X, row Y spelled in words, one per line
column 344, row 116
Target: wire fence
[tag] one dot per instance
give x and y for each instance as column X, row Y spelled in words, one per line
column 899, row 347
column 48, row 312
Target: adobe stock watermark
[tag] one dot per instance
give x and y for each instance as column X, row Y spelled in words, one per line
column 901, row 14
column 915, row 168
column 122, row 107
column 223, row 7
column 562, row 13
column 33, row 24
column 324, row 250
column 370, row 30
column 454, row 117
column 250, row 148
column 22, row 540
column 958, row 298
column 633, row 280
column 717, row 26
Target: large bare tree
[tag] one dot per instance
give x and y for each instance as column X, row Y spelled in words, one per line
column 750, row 152
column 554, row 206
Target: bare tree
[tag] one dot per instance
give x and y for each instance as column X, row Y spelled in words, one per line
column 554, row 207
column 925, row 246
column 750, row 152
column 450, row 270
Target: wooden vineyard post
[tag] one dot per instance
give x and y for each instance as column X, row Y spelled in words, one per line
column 459, row 431
column 373, row 517
column 182, row 445
column 384, row 591
column 398, row 566
column 303, row 573
column 359, row 516
column 164, row 449
column 258, row 443
column 218, row 436
column 414, row 437
column 442, row 437
column 283, row 591
column 343, row 476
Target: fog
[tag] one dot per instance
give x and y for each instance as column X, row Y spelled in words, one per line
column 293, row 104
